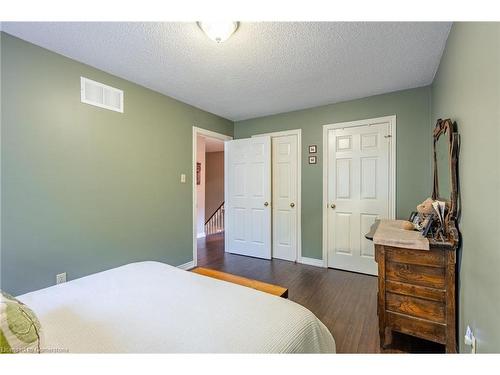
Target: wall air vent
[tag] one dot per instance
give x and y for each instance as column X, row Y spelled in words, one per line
column 101, row 95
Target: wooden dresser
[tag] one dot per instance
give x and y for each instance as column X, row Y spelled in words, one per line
column 417, row 288
column 416, row 292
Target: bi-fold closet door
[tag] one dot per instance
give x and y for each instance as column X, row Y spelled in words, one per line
column 285, row 193
column 261, row 197
column 248, row 196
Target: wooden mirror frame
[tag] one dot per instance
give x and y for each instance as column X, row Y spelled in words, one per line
column 448, row 128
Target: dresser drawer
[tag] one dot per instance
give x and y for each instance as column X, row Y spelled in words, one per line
column 424, row 292
column 416, row 307
column 417, row 327
column 433, row 277
column 431, row 258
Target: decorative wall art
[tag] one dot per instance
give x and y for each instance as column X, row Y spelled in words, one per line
column 198, row 173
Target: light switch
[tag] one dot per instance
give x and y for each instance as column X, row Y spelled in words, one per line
column 183, row 178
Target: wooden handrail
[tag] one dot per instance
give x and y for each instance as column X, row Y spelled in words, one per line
column 215, row 223
column 210, row 218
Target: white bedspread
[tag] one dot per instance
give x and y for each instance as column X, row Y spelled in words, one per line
column 151, row 307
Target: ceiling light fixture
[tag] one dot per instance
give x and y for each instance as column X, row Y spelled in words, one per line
column 218, row 31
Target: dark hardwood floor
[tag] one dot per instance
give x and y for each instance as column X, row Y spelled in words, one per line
column 345, row 302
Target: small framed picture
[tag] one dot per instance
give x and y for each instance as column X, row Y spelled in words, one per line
column 312, row 150
column 312, row 159
column 198, row 173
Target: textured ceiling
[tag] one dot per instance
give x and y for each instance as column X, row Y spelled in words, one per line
column 264, row 68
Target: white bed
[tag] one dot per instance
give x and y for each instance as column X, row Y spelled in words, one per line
column 151, row 307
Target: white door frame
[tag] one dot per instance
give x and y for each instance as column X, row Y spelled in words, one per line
column 298, row 133
column 211, row 134
column 392, row 169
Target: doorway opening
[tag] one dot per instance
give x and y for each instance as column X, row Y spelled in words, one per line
column 208, row 195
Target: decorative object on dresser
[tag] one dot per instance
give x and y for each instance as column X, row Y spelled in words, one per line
column 446, row 184
column 416, row 274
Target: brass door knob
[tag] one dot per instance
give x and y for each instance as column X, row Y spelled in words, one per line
column 292, row 205
column 333, row 206
column 266, row 204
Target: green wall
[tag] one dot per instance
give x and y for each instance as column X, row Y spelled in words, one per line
column 413, row 182
column 467, row 89
column 85, row 189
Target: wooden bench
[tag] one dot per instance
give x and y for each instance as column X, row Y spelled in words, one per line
column 254, row 284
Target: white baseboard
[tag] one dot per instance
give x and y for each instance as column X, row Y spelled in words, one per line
column 186, row 266
column 200, row 235
column 312, row 262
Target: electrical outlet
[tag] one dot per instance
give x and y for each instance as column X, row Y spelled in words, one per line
column 61, row 278
column 470, row 340
column 183, row 178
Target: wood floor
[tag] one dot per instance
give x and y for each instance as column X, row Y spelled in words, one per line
column 345, row 302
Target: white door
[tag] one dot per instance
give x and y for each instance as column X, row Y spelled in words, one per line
column 358, row 193
column 285, row 187
column 248, row 197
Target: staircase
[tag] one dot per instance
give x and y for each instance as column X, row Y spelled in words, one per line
column 215, row 224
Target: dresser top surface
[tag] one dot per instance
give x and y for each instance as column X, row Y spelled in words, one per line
column 432, row 242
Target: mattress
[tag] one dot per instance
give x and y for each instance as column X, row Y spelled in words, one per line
column 151, row 307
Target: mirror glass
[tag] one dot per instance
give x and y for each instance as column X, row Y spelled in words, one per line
column 443, row 166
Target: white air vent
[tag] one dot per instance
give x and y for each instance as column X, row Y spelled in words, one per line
column 101, row 95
